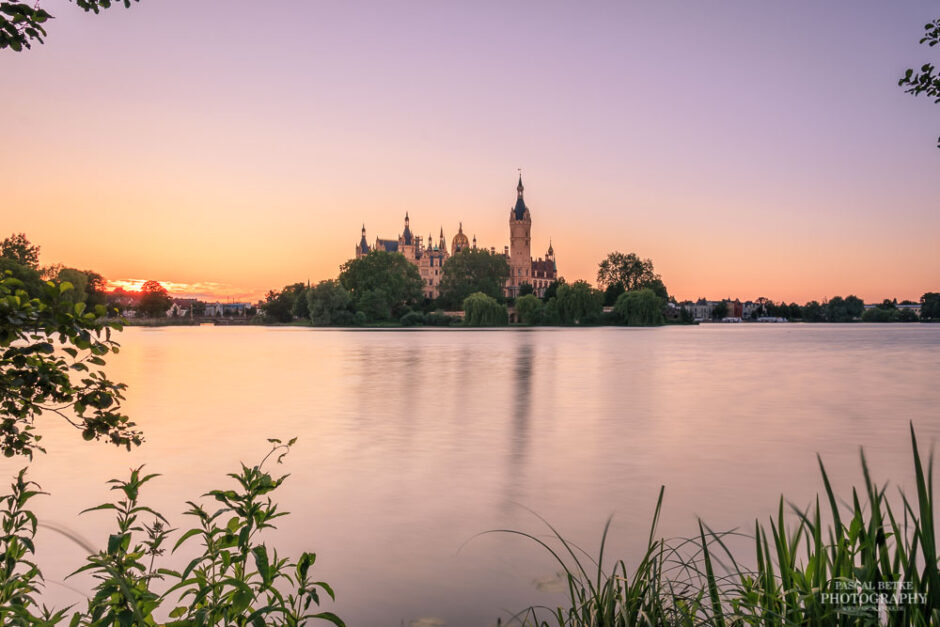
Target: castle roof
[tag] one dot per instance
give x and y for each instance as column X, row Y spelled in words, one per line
column 520, row 209
column 390, row 245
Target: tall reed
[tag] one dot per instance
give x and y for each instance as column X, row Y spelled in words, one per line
column 872, row 562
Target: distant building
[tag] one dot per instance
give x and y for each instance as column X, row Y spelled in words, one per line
column 429, row 256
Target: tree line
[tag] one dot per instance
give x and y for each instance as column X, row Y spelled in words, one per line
column 384, row 287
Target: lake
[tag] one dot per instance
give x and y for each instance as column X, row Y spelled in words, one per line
column 413, row 442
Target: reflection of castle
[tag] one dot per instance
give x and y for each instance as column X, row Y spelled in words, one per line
column 430, row 257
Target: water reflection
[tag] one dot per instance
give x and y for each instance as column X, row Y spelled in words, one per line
column 413, row 442
column 522, row 413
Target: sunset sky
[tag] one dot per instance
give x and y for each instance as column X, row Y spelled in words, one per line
column 749, row 148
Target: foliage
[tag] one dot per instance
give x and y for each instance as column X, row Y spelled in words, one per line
column 235, row 579
column 30, row 278
column 79, row 281
column 720, row 310
column 813, row 312
column 279, row 306
column 930, row 306
column 20, row 577
column 844, row 310
column 525, row 288
column 629, row 272
column 154, row 300
column 482, row 310
column 868, row 548
column 578, row 303
column 412, row 319
column 612, row 293
column 927, row 80
column 328, row 303
column 473, row 270
column 16, row 247
column 530, row 309
column 888, row 312
column 376, row 305
column 51, row 352
column 439, row 319
column 301, row 307
column 382, row 284
column 640, row 308
column 21, row 23
column 552, row 290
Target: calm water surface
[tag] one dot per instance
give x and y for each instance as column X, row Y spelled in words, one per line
column 413, row 442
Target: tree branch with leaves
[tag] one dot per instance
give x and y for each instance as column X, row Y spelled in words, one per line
column 927, row 80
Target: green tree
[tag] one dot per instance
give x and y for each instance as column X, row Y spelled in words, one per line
column 30, row 278
column 813, row 312
column 640, row 308
column 930, row 306
column 79, row 281
column 630, row 272
column 927, row 80
column 396, row 280
column 35, row 378
column 21, row 24
column 854, row 306
column 525, row 288
column 473, row 270
column 376, row 305
column 279, row 306
column 578, row 302
column 482, row 310
column 880, row 314
column 836, row 311
column 154, row 300
column 19, row 249
column 552, row 290
column 329, row 303
column 720, row 310
column 300, row 308
column 612, row 293
column 529, row 309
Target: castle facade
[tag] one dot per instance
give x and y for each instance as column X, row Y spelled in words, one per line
column 429, row 256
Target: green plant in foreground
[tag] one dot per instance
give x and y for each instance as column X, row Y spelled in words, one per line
column 235, row 580
column 875, row 564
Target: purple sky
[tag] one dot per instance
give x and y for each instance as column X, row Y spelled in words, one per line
column 750, row 148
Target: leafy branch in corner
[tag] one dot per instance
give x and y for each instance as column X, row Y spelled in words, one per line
column 22, row 24
column 927, row 80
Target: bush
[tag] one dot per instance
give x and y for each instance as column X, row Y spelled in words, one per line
column 877, row 314
column 236, row 579
column 412, row 318
column 483, row 311
column 529, row 309
column 640, row 308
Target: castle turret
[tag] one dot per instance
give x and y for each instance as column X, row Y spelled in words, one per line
column 406, row 241
column 362, row 249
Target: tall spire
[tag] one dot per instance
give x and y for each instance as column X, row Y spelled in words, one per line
column 520, row 210
column 406, row 237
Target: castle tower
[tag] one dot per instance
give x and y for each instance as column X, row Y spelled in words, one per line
column 520, row 254
column 362, row 248
column 406, row 242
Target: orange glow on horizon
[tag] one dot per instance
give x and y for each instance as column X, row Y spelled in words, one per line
column 205, row 290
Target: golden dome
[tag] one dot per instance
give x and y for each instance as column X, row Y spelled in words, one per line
column 460, row 241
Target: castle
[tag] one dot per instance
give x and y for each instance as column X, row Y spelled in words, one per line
column 430, row 257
